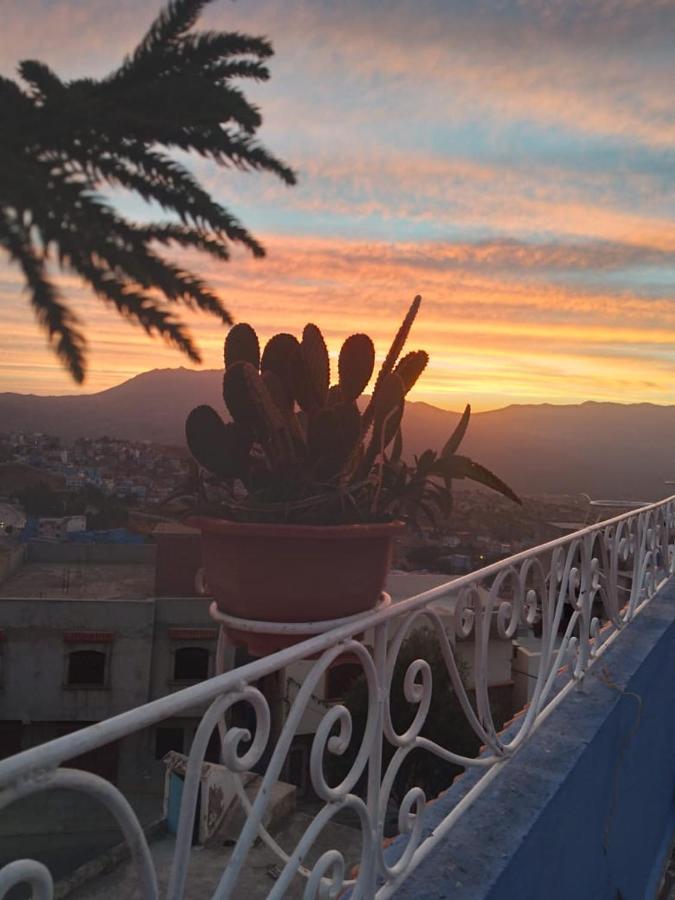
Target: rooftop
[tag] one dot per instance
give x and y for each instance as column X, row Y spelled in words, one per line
column 80, row 581
column 207, row 865
column 87, row 580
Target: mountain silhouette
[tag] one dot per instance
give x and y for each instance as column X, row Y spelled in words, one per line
column 604, row 449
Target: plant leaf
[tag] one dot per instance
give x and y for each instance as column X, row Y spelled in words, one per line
column 278, row 357
column 463, row 467
column 411, row 367
column 392, row 356
column 315, row 354
column 355, row 365
column 221, row 449
column 457, row 435
column 241, row 345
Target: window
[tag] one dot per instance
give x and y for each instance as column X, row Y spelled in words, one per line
column 192, row 654
column 86, row 668
column 87, row 660
column 168, row 738
column 191, row 664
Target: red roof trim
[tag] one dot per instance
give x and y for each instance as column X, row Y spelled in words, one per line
column 193, row 634
column 88, row 637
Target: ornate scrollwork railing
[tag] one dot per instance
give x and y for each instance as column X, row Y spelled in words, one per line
column 580, row 591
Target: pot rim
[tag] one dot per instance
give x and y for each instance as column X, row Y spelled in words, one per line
column 228, row 528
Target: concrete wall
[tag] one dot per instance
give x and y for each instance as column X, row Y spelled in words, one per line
column 176, row 613
column 36, row 704
column 58, row 552
column 587, row 809
column 35, row 658
column 11, row 558
column 178, row 558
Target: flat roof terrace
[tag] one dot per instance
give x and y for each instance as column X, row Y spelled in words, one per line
column 80, row 581
column 136, row 581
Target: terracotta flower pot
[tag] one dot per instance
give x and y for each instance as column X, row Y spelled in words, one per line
column 295, row 573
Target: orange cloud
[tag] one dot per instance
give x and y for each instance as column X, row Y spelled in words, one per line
column 492, row 339
column 407, row 126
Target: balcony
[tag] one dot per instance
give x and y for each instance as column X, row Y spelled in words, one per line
column 575, row 797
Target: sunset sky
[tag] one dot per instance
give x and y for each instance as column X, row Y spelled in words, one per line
column 511, row 160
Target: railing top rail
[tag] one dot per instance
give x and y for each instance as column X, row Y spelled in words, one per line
column 49, row 755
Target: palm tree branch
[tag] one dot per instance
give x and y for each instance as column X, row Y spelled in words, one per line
column 136, row 306
column 98, row 238
column 174, row 20
column 53, row 316
column 158, row 178
column 43, row 81
column 63, row 140
column 167, row 233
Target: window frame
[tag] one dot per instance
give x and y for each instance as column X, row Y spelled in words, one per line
column 176, row 648
column 103, row 650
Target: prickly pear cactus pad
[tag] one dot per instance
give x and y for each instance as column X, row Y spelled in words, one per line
column 297, row 448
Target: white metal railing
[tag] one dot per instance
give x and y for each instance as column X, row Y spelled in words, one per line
column 619, row 564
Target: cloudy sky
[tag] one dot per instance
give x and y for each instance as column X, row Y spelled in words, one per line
column 511, row 160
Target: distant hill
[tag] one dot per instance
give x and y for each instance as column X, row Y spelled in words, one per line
column 604, row 449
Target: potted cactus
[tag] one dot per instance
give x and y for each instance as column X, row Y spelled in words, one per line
column 305, row 488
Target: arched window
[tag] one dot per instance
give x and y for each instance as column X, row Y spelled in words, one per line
column 191, row 664
column 86, row 668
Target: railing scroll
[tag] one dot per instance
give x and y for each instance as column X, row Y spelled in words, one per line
column 580, row 590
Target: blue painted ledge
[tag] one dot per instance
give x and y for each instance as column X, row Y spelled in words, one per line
column 586, row 810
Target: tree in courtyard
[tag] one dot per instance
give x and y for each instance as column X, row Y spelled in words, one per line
column 62, row 141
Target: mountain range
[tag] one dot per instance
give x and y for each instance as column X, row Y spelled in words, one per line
column 612, row 450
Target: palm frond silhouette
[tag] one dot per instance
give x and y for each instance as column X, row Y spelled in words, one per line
column 63, row 142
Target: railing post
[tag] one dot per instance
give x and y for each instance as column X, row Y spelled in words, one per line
column 375, row 813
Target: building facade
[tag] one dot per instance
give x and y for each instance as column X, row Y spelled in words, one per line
column 90, row 631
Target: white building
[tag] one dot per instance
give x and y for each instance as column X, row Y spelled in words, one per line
column 58, row 528
column 89, row 631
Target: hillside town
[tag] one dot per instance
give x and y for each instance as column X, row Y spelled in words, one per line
column 137, row 471
column 109, row 489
